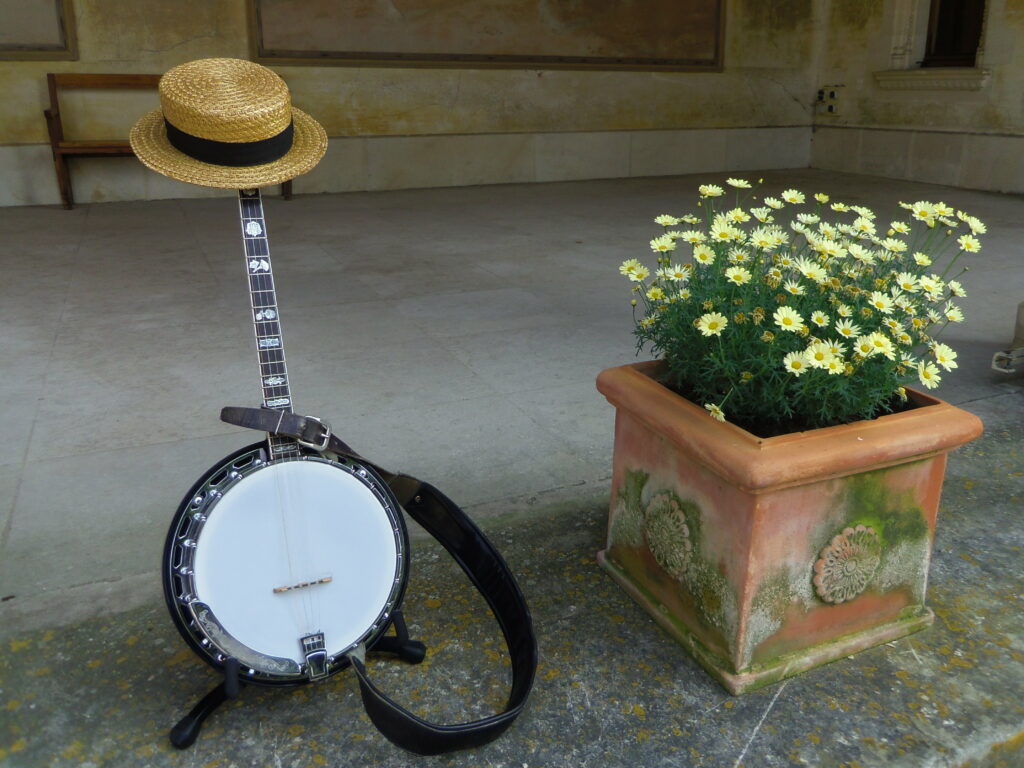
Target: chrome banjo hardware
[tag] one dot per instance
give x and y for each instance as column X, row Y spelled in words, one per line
column 322, row 445
column 229, row 647
column 198, row 621
column 316, row 655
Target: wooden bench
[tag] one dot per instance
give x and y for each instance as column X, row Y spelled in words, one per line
column 64, row 148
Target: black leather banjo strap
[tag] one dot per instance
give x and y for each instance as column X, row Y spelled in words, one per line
column 474, row 553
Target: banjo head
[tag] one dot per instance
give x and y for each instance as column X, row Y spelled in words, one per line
column 285, row 565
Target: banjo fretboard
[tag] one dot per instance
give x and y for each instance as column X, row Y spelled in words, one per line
column 266, row 318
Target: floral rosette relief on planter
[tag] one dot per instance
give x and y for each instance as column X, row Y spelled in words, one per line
column 775, row 479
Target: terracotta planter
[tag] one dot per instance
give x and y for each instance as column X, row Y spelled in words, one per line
column 766, row 557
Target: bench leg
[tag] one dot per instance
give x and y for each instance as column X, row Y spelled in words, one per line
column 286, row 190
column 63, row 180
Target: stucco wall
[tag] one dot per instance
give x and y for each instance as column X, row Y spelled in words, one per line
column 396, row 127
column 504, row 124
column 958, row 127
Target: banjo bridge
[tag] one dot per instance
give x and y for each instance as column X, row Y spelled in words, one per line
column 303, row 585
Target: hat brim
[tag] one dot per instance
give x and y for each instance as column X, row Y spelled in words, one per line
column 148, row 138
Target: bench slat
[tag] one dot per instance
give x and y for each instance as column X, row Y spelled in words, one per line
column 96, row 80
column 98, row 146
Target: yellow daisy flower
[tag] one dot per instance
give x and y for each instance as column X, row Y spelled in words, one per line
column 928, row 374
column 880, row 302
column 864, row 346
column 676, row 273
column 737, row 275
column 692, row 236
column 738, row 183
column 907, row 281
column 864, row 226
column 969, row 243
column 792, row 196
column 639, row 274
column 788, row 319
column 923, row 211
column 703, row 255
column 629, row 266
column 715, row 411
column 795, row 363
column 818, row 354
column 847, row 328
column 711, row 324
column 655, row 293
column 663, row 244
column 893, row 245
column 944, row 356
column 883, row 345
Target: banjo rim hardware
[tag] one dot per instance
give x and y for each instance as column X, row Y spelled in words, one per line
column 183, row 600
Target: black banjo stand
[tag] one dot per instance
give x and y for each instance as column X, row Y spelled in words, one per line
column 288, row 560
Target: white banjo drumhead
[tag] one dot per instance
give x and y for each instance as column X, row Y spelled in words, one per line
column 295, row 548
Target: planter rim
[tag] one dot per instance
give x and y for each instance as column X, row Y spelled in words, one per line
column 760, row 463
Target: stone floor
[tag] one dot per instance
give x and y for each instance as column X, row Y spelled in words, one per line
column 424, row 325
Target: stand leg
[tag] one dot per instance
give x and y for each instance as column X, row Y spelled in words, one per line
column 411, row 651
column 184, row 734
column 187, row 730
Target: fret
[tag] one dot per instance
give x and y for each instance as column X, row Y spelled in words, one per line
column 265, row 316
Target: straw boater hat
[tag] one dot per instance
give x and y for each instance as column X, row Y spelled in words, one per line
column 227, row 123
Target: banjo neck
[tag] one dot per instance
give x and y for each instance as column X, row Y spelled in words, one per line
column 266, row 318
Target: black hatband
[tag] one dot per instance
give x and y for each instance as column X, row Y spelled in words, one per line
column 229, row 152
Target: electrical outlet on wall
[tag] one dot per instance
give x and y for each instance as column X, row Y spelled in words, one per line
column 829, row 98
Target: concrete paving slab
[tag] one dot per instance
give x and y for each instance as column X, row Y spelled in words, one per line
column 97, row 516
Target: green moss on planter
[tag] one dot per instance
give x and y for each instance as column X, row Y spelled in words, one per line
column 708, row 589
column 893, row 514
column 628, row 516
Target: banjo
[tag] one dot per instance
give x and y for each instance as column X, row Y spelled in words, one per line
column 279, row 558
column 287, row 560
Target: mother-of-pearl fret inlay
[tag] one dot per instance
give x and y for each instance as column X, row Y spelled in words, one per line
column 266, row 320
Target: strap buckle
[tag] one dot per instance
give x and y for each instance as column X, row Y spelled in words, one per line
column 325, row 439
